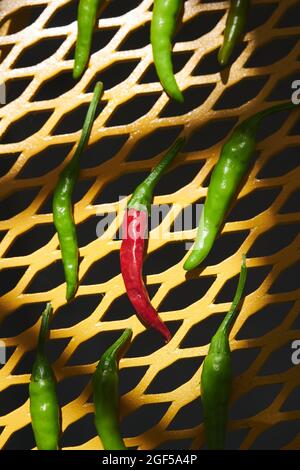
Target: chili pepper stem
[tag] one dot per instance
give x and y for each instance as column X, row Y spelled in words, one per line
column 118, row 349
column 252, row 123
column 142, row 196
column 226, row 324
column 44, row 330
column 89, row 121
column 156, row 174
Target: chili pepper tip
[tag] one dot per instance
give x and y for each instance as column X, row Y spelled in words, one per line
column 163, row 329
column 222, row 59
column 70, row 293
column 192, row 261
column 178, row 96
column 77, row 72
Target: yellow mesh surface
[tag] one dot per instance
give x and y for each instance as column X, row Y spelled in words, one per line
column 12, row 46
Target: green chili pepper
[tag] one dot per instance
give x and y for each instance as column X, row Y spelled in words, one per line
column 235, row 25
column 216, row 375
column 44, row 408
column 62, row 202
column 163, row 25
column 225, row 180
column 106, row 394
column 86, row 20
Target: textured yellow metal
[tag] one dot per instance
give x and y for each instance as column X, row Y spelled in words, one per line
column 12, row 45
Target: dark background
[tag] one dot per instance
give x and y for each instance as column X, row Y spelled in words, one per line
column 247, row 207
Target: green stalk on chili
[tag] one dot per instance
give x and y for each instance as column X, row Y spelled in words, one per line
column 106, row 394
column 163, row 25
column 225, row 180
column 216, row 377
column 44, row 407
column 133, row 244
column 235, row 25
column 62, row 202
column 86, row 20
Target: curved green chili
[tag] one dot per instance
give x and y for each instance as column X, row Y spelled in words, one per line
column 163, row 25
column 235, row 25
column 62, row 202
column 86, row 20
column 225, row 180
column 106, row 394
column 216, row 375
column 44, row 408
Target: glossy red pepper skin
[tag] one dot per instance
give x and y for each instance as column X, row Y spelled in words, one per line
column 133, row 244
column 131, row 257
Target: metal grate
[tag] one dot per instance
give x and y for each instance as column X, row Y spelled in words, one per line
column 38, row 104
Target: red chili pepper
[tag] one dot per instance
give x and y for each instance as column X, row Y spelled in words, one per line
column 133, row 243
